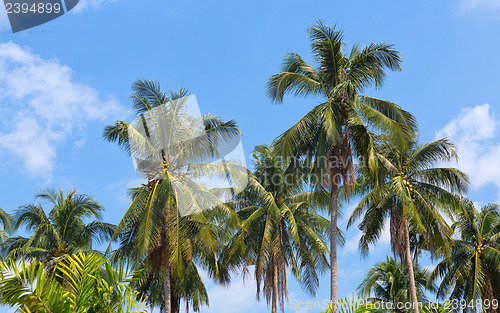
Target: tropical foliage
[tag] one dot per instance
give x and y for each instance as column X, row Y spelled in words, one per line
column 340, row 127
column 412, row 193
column 268, row 219
column 388, row 282
column 64, row 230
column 353, row 305
column 155, row 230
column 85, row 283
column 278, row 230
column 472, row 270
column 7, row 224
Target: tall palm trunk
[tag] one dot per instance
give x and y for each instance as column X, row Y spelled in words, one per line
column 166, row 291
column 409, row 263
column 275, row 288
column 333, row 245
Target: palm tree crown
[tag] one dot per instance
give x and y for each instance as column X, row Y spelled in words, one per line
column 472, row 270
column 388, row 281
column 64, row 230
column 412, row 193
column 278, row 229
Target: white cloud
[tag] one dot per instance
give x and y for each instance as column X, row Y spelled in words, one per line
column 239, row 296
column 471, row 125
column 385, row 236
column 120, row 188
column 346, row 214
column 468, row 5
column 85, row 4
column 475, row 132
column 42, row 106
column 429, row 267
column 8, row 309
column 352, row 244
column 482, row 8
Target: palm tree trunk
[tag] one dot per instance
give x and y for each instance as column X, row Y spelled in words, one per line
column 275, row 289
column 489, row 294
column 166, row 291
column 409, row 263
column 333, row 246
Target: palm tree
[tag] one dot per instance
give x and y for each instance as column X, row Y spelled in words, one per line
column 189, row 288
column 7, row 223
column 155, row 230
column 388, row 282
column 169, row 271
column 472, row 270
column 87, row 284
column 338, row 129
column 412, row 193
column 64, row 230
column 278, row 229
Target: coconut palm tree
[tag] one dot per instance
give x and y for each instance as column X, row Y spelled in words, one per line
column 164, row 228
column 388, row 282
column 472, row 270
column 72, row 225
column 279, row 230
column 7, row 224
column 412, row 193
column 339, row 128
column 169, row 264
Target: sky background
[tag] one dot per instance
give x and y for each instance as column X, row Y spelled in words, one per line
column 62, row 82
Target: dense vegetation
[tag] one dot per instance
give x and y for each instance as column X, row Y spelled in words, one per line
column 349, row 146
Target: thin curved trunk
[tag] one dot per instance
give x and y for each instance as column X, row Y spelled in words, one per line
column 333, row 245
column 166, row 291
column 409, row 263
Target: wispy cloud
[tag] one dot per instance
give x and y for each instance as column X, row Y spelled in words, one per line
column 239, row 296
column 42, row 105
column 473, row 5
column 475, row 131
column 120, row 188
column 90, row 4
column 351, row 245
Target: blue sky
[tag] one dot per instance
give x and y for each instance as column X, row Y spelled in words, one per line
column 62, row 82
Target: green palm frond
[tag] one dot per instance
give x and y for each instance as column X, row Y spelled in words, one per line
column 388, row 281
column 470, row 269
column 340, row 129
column 367, row 65
column 63, row 230
column 7, row 222
column 164, row 229
column 84, row 283
column 279, row 230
